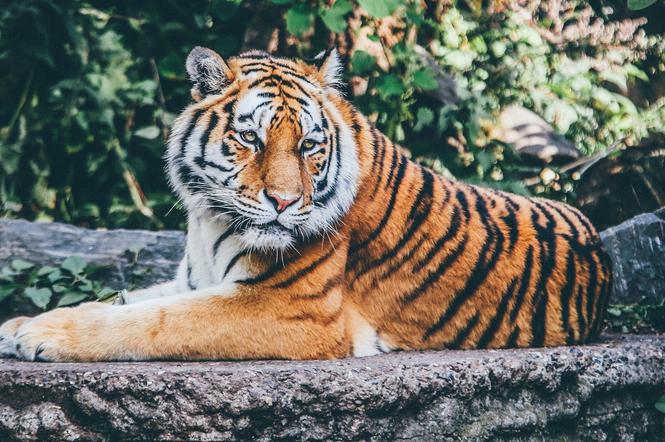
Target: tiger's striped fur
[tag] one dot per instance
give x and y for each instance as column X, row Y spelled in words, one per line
column 372, row 253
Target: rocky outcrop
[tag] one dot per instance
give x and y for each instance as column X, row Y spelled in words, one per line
column 135, row 258
column 604, row 391
column 637, row 250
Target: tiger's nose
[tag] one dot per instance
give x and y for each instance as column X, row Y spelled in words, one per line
column 280, row 200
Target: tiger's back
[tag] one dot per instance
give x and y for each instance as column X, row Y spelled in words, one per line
column 438, row 263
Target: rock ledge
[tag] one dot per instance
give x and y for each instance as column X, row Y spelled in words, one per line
column 604, row 391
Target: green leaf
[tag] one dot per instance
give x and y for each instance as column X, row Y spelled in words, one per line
column 54, row 276
column 74, row 264
column 171, row 67
column 20, row 265
column 379, row 8
column 105, row 292
column 362, row 62
column 6, row 292
column 58, row 288
column 660, row 406
column 282, row 2
column 389, row 85
column 425, row 79
column 636, row 5
column 39, row 297
column 148, row 132
column 424, row 117
column 70, row 298
column 334, row 18
column 45, row 270
column 299, row 19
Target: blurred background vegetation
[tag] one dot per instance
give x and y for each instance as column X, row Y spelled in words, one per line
column 88, row 90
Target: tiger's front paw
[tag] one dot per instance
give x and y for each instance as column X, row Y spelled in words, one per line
column 7, row 336
column 56, row 335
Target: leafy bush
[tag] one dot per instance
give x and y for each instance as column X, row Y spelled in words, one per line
column 73, row 282
column 88, row 93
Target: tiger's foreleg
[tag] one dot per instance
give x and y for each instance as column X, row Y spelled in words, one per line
column 198, row 325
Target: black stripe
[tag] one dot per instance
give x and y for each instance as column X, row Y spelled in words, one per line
column 205, row 137
column 391, row 203
column 381, row 148
column 233, row 262
column 566, row 219
column 220, row 239
column 498, row 317
column 538, row 320
column 510, row 221
column 464, row 332
column 188, row 132
column 464, row 204
column 304, row 271
column 481, row 270
column 514, row 336
column 581, row 320
column 335, row 149
column 189, row 275
column 435, row 275
column 524, row 284
column 591, row 291
column 547, row 242
column 441, row 242
column 400, row 263
column 419, row 212
column 375, row 151
column 393, row 161
column 566, row 293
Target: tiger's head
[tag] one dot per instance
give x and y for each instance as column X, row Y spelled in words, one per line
column 265, row 147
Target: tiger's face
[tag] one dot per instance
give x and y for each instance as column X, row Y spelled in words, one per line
column 264, row 148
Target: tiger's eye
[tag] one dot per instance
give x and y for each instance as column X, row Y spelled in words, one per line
column 308, row 144
column 249, row 136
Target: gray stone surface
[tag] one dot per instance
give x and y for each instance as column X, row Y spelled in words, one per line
column 637, row 250
column 604, row 391
column 135, row 258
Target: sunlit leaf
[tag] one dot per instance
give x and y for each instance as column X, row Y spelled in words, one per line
column 636, row 5
column 39, row 297
column 389, row 85
column 74, row 264
column 424, row 79
column 379, row 8
column 334, row 17
column 299, row 19
column 362, row 62
column 21, row 265
column 71, row 298
column 148, row 132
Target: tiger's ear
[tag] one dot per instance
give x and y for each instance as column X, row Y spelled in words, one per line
column 208, row 71
column 329, row 68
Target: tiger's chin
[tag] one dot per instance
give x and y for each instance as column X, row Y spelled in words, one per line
column 268, row 237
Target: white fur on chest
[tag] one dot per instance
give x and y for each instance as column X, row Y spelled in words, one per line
column 214, row 256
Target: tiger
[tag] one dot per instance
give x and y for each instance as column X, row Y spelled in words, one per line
column 310, row 235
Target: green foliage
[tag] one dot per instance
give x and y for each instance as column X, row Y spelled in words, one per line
column 636, row 318
column 73, row 282
column 640, row 4
column 89, row 88
column 660, row 406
